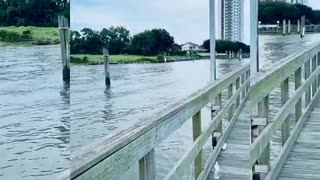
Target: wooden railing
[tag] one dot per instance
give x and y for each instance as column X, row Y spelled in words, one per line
column 299, row 103
column 112, row 157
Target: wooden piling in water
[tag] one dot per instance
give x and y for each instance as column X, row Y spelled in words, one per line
column 65, row 50
column 106, row 67
column 284, row 27
column 289, row 27
column 303, row 26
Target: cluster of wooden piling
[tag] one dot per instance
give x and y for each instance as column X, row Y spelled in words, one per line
column 234, row 55
column 301, row 27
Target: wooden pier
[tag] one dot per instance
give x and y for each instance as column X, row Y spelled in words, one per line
column 244, row 145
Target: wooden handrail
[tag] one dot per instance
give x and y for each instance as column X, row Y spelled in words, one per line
column 261, row 88
column 110, row 157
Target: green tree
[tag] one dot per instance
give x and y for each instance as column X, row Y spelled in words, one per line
column 156, row 41
column 222, row 46
column 115, row 39
column 32, row 12
column 90, row 41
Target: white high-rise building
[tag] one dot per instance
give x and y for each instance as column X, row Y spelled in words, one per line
column 230, row 20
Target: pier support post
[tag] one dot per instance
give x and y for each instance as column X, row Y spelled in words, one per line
column 284, row 27
column 65, row 50
column 106, row 67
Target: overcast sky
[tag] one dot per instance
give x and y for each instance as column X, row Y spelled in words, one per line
column 185, row 20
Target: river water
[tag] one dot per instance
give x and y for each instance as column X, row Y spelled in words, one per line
column 40, row 123
column 34, row 113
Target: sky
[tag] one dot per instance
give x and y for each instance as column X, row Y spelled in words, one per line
column 185, row 20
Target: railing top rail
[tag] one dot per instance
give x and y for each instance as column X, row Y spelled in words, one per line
column 175, row 115
column 263, row 83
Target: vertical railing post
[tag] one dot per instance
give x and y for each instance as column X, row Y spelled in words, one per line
column 243, row 79
column 147, row 167
column 259, row 121
column 306, row 75
column 64, row 41
column 284, row 99
column 106, row 67
column 318, row 64
column 196, row 125
column 264, row 160
column 297, row 81
column 238, row 98
column 230, row 93
column 247, row 77
column 314, row 84
column 215, row 108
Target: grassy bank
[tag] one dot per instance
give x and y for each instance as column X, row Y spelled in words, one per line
column 126, row 59
column 29, row 35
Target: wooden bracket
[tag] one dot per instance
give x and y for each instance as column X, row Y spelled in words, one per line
column 215, row 108
column 258, row 121
column 259, row 168
column 217, row 134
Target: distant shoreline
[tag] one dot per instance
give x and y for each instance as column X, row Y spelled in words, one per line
column 88, row 59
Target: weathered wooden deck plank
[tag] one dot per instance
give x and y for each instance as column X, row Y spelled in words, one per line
column 234, row 161
column 303, row 161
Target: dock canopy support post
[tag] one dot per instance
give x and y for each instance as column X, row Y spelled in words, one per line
column 106, row 67
column 65, row 50
column 254, row 39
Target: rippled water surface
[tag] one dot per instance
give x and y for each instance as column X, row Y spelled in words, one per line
column 34, row 113
column 37, row 116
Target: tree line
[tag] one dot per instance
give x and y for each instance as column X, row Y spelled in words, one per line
column 271, row 12
column 223, row 45
column 150, row 42
column 118, row 41
column 42, row 13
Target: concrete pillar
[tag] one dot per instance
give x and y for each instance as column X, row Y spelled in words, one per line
column 298, row 26
column 254, row 39
column 65, row 50
column 106, row 67
column 240, row 55
column 284, row 27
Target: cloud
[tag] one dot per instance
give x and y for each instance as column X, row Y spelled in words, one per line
column 186, row 20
